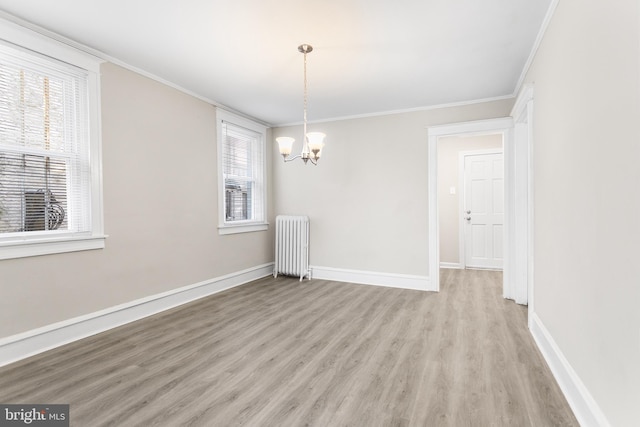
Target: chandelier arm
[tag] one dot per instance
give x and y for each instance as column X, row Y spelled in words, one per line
column 289, row 158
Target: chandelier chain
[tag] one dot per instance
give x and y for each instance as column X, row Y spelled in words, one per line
column 305, row 99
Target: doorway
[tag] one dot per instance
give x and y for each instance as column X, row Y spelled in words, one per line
column 502, row 127
column 518, row 196
column 471, row 201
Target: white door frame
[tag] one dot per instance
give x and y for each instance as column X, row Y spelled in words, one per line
column 523, row 283
column 462, row 256
column 482, row 127
column 518, row 159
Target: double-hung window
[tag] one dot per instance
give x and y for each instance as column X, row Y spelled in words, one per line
column 242, row 193
column 50, row 197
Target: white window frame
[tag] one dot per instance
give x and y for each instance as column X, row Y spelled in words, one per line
column 232, row 227
column 25, row 245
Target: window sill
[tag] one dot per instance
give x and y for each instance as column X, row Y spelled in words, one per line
column 36, row 247
column 242, row 228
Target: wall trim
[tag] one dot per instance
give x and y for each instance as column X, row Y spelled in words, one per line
column 580, row 400
column 108, row 58
column 401, row 111
column 520, row 284
column 30, row 343
column 454, row 265
column 536, row 44
column 392, row 280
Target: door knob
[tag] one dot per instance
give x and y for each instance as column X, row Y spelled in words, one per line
column 468, row 212
column 468, row 218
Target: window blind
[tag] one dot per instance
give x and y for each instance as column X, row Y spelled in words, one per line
column 45, row 175
column 242, row 163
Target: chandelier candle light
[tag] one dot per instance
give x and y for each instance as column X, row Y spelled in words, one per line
column 312, row 142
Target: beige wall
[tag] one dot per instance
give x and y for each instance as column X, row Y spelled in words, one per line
column 586, row 175
column 368, row 197
column 449, row 149
column 160, row 198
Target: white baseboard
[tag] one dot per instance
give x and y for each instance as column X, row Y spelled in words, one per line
column 404, row 281
column 455, row 265
column 580, row 400
column 20, row 346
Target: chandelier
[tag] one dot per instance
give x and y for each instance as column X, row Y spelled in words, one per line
column 312, row 142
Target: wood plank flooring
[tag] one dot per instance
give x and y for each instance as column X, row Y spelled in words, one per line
column 277, row 352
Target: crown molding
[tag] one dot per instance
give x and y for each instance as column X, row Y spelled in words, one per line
column 536, row 45
column 108, row 58
column 402, row 111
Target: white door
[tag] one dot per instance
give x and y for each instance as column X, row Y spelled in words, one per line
column 483, row 210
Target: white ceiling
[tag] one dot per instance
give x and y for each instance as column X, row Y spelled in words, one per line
column 370, row 56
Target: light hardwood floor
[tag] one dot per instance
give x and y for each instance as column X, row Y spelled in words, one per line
column 320, row 353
